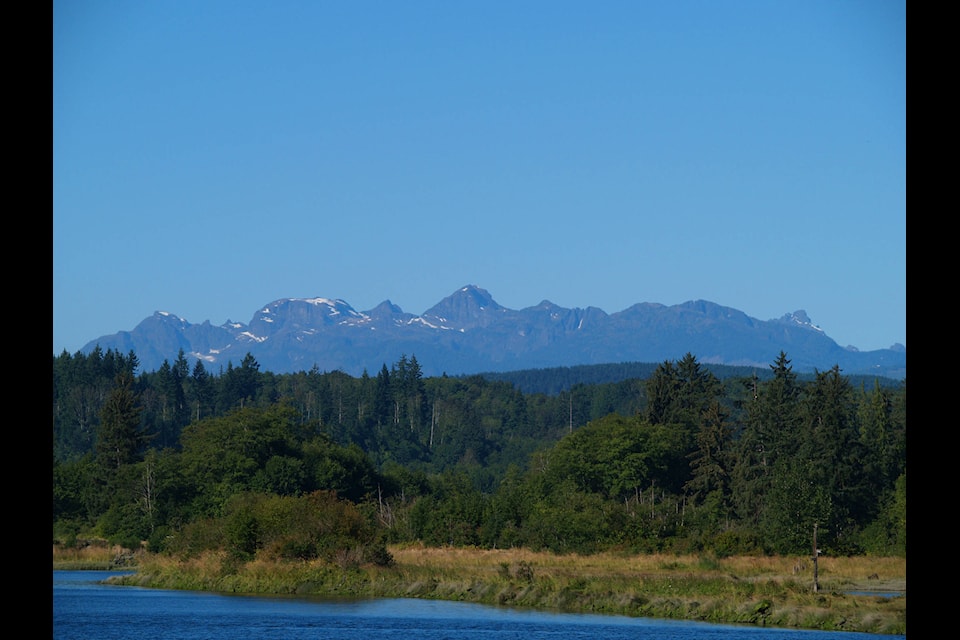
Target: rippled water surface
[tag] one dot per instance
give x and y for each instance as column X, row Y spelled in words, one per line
column 83, row 609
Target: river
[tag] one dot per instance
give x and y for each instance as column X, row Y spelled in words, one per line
column 85, row 609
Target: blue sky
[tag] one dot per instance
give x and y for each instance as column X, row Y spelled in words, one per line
column 211, row 157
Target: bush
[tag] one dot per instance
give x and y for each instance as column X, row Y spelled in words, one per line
column 157, row 542
column 735, row 542
column 242, row 534
column 293, row 549
column 196, row 537
column 124, row 525
column 378, row 554
column 65, row 532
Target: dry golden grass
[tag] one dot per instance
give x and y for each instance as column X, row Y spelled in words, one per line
column 774, row 591
column 90, row 553
column 95, row 554
column 849, row 572
column 841, row 573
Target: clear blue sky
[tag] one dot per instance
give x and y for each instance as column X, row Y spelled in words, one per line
column 211, row 157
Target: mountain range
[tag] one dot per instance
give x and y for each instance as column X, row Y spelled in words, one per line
column 469, row 332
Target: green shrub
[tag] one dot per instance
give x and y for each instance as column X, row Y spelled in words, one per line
column 735, row 542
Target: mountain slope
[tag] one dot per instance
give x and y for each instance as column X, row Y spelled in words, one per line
column 469, row 332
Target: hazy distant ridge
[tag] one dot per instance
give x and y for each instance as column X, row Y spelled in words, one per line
column 469, row 332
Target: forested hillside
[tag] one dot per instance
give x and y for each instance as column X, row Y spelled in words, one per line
column 316, row 463
column 555, row 380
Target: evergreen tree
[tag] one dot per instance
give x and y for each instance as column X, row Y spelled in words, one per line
column 75, row 407
column 172, row 403
column 247, row 379
column 383, row 400
column 132, row 363
column 778, row 415
column 679, row 394
column 898, row 427
column 239, row 386
column 772, row 430
column 806, row 453
column 415, row 398
column 662, row 391
column 832, row 444
column 119, row 439
column 876, row 435
column 710, row 463
column 201, row 391
column 698, row 389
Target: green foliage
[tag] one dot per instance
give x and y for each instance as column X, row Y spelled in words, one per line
column 796, row 504
column 345, row 470
column 226, row 455
column 71, row 482
column 124, row 525
column 81, row 385
column 735, row 542
column 159, row 539
column 568, row 521
column 506, row 510
column 325, row 465
column 451, row 514
column 119, row 439
column 197, row 536
column 240, row 385
column 617, row 457
column 283, row 475
column 316, row 525
column 712, row 460
column 241, row 528
column 887, row 535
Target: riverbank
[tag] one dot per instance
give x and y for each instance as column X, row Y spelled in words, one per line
column 854, row 594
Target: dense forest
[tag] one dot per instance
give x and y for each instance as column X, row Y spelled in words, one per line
column 321, row 464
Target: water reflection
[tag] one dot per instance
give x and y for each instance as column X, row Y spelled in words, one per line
column 84, row 609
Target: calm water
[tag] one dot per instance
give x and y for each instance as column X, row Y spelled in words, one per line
column 86, row 610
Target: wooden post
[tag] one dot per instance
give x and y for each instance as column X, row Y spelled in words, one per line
column 816, row 553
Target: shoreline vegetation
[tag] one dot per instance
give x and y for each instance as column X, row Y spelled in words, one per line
column 853, row 594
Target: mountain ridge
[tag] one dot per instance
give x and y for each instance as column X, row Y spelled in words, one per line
column 469, row 332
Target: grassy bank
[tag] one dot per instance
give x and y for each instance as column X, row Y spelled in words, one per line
column 752, row 590
column 95, row 555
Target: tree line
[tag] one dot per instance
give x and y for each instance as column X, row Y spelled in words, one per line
column 245, row 460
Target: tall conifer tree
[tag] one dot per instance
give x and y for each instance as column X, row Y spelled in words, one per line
column 119, row 439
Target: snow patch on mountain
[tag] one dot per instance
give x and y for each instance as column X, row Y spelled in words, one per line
column 800, row 318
